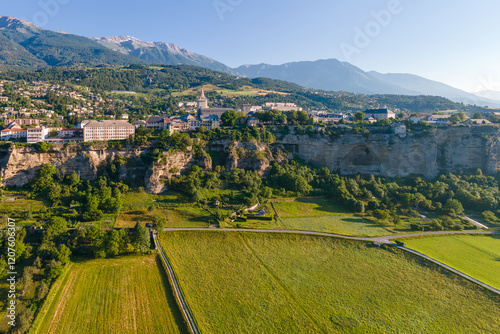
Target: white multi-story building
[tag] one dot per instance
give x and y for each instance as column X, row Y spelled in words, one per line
column 380, row 114
column 38, row 134
column 10, row 134
column 283, row 106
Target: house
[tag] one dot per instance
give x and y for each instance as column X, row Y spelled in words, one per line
column 138, row 123
column 10, row 134
column 253, row 121
column 4, row 99
column 380, row 114
column 399, row 129
column 282, row 106
column 158, row 123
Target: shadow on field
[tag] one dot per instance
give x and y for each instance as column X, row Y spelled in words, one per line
column 171, row 298
column 324, row 205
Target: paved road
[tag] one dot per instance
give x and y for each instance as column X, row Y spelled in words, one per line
column 384, row 240
column 177, row 291
column 452, row 269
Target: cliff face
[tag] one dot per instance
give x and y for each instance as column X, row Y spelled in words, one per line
column 172, row 164
column 453, row 149
column 19, row 165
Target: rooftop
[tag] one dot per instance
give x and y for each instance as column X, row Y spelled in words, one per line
column 108, row 124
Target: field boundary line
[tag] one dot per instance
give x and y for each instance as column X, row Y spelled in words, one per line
column 449, row 268
column 193, row 328
column 49, row 299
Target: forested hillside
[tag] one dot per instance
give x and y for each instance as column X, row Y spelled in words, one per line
column 166, row 80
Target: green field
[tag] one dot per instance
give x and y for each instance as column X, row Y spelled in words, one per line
column 321, row 215
column 144, row 207
column 236, row 282
column 476, row 256
column 243, row 91
column 124, row 295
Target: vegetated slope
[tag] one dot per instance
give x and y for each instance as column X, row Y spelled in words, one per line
column 25, row 46
column 274, row 283
column 161, row 53
column 143, row 78
column 476, row 256
column 124, row 295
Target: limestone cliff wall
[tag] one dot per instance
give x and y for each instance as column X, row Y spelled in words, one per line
column 171, row 165
column 19, row 165
column 452, row 149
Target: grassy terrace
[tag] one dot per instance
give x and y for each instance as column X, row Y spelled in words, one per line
column 274, row 283
column 322, row 215
column 476, row 256
column 124, row 295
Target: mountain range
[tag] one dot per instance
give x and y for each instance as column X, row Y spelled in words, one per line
column 24, row 46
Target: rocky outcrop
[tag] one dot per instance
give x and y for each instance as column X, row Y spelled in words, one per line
column 19, row 165
column 452, row 149
column 172, row 164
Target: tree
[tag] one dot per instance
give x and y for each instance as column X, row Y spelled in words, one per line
column 454, row 206
column 230, row 117
column 41, row 291
column 141, row 239
column 62, row 254
column 42, row 146
column 159, row 223
column 25, row 319
column 381, row 214
column 359, row 116
column 56, row 226
column 114, row 243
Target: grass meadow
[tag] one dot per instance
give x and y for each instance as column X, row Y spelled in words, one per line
column 321, row 215
column 123, row 295
column 243, row 282
column 477, row 256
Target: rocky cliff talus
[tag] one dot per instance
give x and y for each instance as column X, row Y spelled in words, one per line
column 171, row 165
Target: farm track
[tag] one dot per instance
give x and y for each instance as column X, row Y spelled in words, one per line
column 382, row 240
column 193, row 328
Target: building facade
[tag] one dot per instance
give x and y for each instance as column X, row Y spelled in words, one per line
column 107, row 130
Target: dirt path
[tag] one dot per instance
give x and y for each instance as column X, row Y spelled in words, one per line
column 193, row 328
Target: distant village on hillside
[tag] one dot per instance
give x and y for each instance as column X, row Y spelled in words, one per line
column 32, row 124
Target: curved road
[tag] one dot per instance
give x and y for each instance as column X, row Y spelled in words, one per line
column 383, row 240
column 177, row 291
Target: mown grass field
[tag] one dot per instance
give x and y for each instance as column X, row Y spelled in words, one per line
column 124, row 295
column 477, row 256
column 236, row 282
column 244, row 91
column 321, row 215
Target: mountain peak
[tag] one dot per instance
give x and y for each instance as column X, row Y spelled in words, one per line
column 11, row 22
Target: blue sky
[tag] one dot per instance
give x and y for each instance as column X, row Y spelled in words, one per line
column 455, row 42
